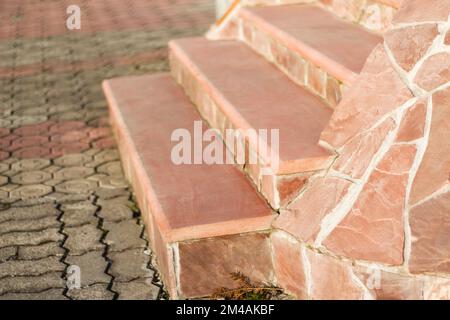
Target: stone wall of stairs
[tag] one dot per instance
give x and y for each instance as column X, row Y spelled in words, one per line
column 358, row 207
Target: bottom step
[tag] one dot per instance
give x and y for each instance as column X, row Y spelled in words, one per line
column 203, row 221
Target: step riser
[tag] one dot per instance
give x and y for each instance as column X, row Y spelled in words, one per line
column 277, row 189
column 299, row 68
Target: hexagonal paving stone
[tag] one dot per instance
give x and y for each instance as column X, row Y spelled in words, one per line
column 112, row 168
column 72, row 160
column 76, row 186
column 31, row 177
column 72, row 173
column 31, row 191
column 30, row 164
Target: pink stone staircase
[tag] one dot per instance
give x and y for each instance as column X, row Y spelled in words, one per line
column 266, row 66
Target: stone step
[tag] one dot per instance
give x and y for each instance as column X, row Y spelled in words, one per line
column 203, row 221
column 311, row 45
column 235, row 88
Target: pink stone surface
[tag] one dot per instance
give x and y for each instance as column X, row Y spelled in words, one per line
column 370, row 98
column 289, row 265
column 423, row 11
column 252, row 100
column 187, row 200
column 331, row 279
column 373, row 229
column 412, row 126
column 303, row 216
column 434, row 170
column 434, row 72
column 410, row 45
column 329, row 42
column 206, row 265
column 430, row 232
column 355, row 157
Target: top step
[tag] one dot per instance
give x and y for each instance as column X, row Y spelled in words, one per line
column 336, row 46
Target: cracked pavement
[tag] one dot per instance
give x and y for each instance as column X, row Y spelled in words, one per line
column 63, row 199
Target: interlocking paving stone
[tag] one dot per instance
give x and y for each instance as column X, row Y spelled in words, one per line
column 28, row 225
column 31, row 283
column 92, row 267
column 51, row 294
column 16, row 268
column 83, row 239
column 129, row 265
column 136, row 290
column 25, row 213
column 40, row 251
column 79, row 213
column 30, row 238
column 94, row 292
column 31, row 191
column 123, row 235
column 31, row 177
column 7, row 253
column 115, row 212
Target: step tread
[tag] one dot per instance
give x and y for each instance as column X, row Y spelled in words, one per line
column 309, row 27
column 255, row 94
column 213, row 198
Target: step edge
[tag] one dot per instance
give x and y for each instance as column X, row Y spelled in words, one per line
column 316, row 57
column 195, row 232
column 228, row 109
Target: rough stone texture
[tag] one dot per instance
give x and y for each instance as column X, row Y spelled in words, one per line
column 83, row 239
column 40, row 251
column 430, row 229
column 412, row 126
column 434, row 169
column 92, row 268
column 123, row 235
column 378, row 79
column 410, row 45
column 422, row 11
column 94, row 292
column 31, row 284
column 434, row 72
column 51, row 294
column 331, row 279
column 136, row 290
column 303, row 216
column 289, row 265
column 129, row 265
column 30, row 268
column 219, row 257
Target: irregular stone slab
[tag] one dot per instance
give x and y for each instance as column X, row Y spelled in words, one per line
column 434, row 169
column 289, row 265
column 303, row 216
column 355, row 157
column 409, row 45
column 422, row 11
column 373, row 229
column 435, row 71
column 369, row 99
column 430, row 234
column 331, row 279
column 412, row 126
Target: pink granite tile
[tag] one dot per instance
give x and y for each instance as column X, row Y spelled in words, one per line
column 435, row 71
